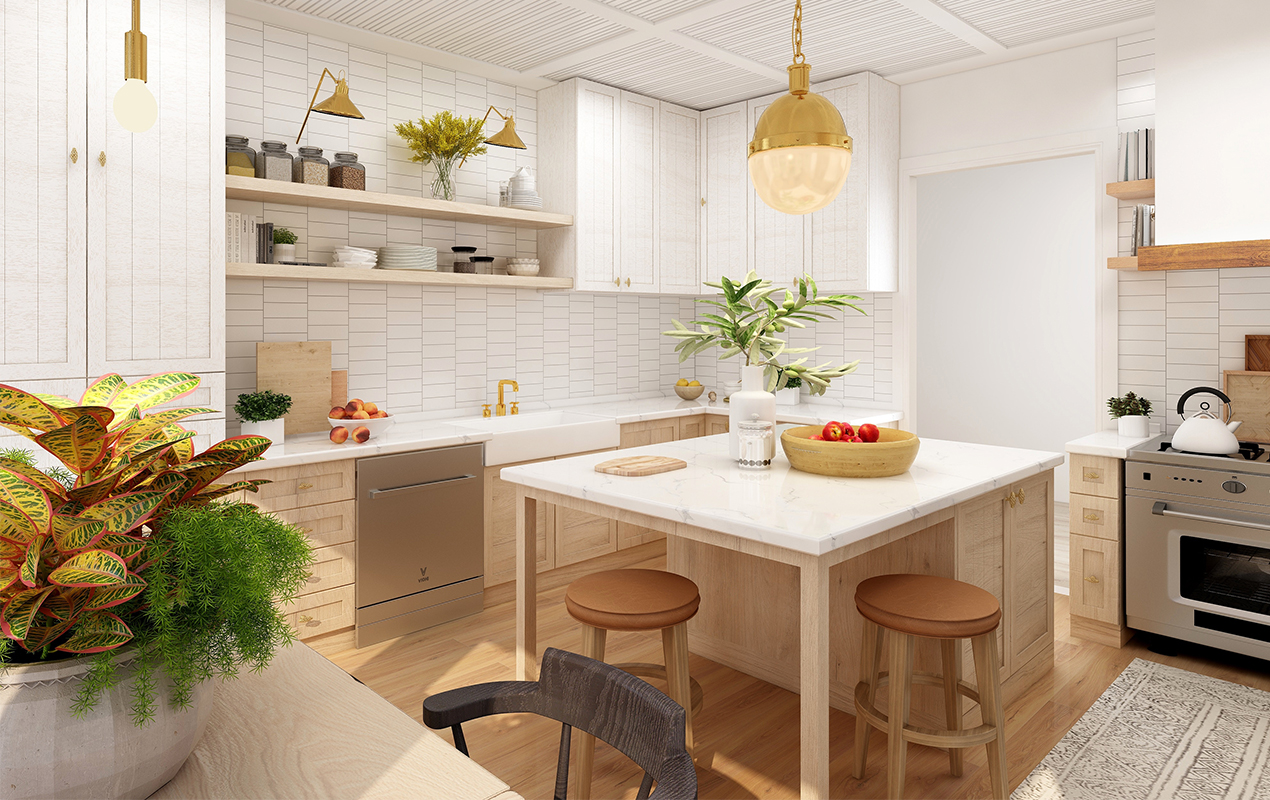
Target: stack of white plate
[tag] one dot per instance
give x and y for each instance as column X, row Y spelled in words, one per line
column 355, row 257
column 522, row 266
column 408, row 256
column 522, row 191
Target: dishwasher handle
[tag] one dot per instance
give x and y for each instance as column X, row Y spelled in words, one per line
column 425, row 485
column 1161, row 509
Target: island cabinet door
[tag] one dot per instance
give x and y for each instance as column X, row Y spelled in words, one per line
column 1029, row 572
column 639, row 434
column 580, row 536
column 716, row 424
column 500, row 530
column 981, row 559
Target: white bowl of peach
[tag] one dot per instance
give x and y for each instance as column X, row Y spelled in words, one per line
column 355, row 417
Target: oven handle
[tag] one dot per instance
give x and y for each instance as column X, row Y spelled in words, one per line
column 1161, row 509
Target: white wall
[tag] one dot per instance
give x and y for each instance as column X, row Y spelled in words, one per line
column 1212, row 73
column 1005, row 318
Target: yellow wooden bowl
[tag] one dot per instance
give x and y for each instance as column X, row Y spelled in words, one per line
column 689, row 392
column 892, row 454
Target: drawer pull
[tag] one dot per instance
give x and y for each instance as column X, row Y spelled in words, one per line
column 306, row 530
column 1092, row 516
column 303, row 486
column 1092, row 475
column 1093, row 579
column 1022, row 497
column 1012, row 496
column 305, row 619
column 314, row 579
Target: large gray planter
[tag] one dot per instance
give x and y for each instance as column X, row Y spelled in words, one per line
column 46, row 752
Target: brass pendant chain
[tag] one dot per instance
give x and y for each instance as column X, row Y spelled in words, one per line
column 798, row 33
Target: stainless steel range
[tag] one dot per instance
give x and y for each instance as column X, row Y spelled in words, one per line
column 1197, row 546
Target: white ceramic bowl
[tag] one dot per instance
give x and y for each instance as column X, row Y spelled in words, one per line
column 354, row 264
column 376, row 426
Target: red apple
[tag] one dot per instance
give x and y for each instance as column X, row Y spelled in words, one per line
column 847, row 430
column 339, row 434
column 868, row 432
column 853, row 439
column 815, row 437
column 832, row 432
column 361, row 434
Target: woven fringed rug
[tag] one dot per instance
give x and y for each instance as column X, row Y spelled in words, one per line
column 1161, row 732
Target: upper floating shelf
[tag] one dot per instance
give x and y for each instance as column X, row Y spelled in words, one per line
column 412, row 276
column 303, row 194
column 1132, row 190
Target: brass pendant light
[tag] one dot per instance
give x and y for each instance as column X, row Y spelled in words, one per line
column 801, row 153
column 134, row 105
column 337, row 105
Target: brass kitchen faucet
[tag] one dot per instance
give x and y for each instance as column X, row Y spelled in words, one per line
column 501, row 408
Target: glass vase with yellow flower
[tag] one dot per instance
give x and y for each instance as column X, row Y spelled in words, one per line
column 442, row 141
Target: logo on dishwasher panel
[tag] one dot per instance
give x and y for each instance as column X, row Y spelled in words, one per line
column 423, row 575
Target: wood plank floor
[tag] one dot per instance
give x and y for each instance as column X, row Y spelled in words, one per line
column 747, row 734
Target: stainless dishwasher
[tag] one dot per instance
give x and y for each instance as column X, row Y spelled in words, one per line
column 420, row 540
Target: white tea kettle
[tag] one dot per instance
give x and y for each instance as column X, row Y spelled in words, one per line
column 1205, row 432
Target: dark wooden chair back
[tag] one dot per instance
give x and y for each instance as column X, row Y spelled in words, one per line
column 612, row 705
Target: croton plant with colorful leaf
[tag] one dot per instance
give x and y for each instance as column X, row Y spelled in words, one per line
column 74, row 555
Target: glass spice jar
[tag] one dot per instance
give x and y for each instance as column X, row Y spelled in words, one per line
column 310, row 167
column 274, row 162
column 757, row 445
column 347, row 173
column 240, row 159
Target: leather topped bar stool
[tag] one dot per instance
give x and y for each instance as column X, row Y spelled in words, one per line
column 908, row 606
column 636, row 600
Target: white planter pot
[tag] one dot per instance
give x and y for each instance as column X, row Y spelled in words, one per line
column 283, row 252
column 1137, row 427
column 275, row 430
column 744, row 405
column 788, row 397
column 46, row 752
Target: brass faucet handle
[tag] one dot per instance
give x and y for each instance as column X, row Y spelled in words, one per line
column 515, row 407
column 485, row 412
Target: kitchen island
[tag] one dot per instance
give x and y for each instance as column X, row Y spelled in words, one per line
column 777, row 556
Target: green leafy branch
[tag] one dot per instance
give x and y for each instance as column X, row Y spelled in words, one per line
column 748, row 320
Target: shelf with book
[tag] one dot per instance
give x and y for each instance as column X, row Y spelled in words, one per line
column 425, row 277
column 238, row 187
column 1132, row 190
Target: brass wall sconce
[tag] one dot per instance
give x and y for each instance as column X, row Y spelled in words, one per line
column 506, row 137
column 337, row 105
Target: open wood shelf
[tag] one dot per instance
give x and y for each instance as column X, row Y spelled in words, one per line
column 1132, row 190
column 297, row 273
column 238, row 187
column 1122, row 262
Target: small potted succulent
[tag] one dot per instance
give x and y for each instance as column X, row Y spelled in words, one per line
column 1132, row 415
column 283, row 245
column 262, row 415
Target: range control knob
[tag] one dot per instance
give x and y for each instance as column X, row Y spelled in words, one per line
column 1234, row 487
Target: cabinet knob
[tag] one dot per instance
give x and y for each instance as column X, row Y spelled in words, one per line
column 1093, row 579
column 617, row 281
column 703, row 201
column 1092, row 516
column 74, row 156
column 1022, row 497
column 101, row 158
column 1011, row 497
column 628, row 282
column 1092, row 475
column 304, row 486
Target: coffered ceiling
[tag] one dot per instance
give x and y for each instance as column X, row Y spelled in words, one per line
column 705, row 53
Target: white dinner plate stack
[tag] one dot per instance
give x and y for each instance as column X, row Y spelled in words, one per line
column 522, row 191
column 355, row 258
column 408, row 256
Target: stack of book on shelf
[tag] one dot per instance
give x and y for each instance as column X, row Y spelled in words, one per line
column 247, row 239
column 1137, row 155
column 1143, row 226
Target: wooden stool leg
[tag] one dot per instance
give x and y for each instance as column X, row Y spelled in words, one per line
column 989, row 679
column 900, row 687
column 952, row 699
column 870, row 665
column 592, row 647
column 674, row 644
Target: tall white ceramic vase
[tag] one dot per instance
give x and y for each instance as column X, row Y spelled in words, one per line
column 750, row 401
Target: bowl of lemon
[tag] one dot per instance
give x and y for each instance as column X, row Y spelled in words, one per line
column 689, row 390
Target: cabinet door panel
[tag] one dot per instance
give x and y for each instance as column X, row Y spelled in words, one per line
column 157, row 278
column 715, row 424
column 580, row 536
column 726, row 179
column 839, row 240
column 500, row 530
column 776, row 239
column 43, row 226
column 639, row 179
column 692, row 427
column 1030, row 572
column 599, row 160
column 678, row 201
column 639, row 434
column 1095, row 579
column 981, row 556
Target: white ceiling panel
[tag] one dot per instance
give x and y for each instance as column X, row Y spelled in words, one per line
column 839, row 38
column 672, row 73
column 1017, row 22
column 515, row 34
column 655, row 10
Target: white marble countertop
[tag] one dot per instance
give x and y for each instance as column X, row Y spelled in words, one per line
column 782, row 506
column 1106, row 443
column 426, row 432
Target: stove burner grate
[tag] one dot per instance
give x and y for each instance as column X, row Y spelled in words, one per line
column 1251, row 451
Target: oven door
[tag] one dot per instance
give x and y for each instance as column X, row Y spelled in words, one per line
column 1198, row 572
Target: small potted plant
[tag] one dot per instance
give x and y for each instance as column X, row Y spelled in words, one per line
column 262, row 415
column 283, row 245
column 441, row 141
column 789, row 395
column 1132, row 414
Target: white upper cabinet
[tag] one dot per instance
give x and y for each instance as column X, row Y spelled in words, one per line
column 853, row 242
column 43, row 227
column 725, row 180
column 625, row 167
column 776, row 239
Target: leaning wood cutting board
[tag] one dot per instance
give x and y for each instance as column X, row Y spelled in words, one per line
column 1256, row 353
column 302, row 370
column 1249, row 394
column 638, row 466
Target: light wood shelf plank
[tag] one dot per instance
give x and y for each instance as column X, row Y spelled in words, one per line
column 1132, row 190
column 1205, row 255
column 238, row 187
column 1122, row 262
column 298, row 273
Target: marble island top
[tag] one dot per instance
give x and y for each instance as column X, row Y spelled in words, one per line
column 782, row 506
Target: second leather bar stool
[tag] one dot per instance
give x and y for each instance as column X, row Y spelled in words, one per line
column 636, row 600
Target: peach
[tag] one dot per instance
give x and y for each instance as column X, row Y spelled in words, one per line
column 353, row 405
column 339, row 434
column 337, row 413
column 361, row 433
column 370, row 408
column 380, row 414
column 359, row 415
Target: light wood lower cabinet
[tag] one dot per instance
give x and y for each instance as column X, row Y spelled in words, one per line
column 325, row 524
column 580, row 536
column 332, row 567
column 322, row 612
column 1096, row 546
column 500, row 530
column 640, row 434
column 305, row 485
column 692, row 427
column 1095, row 591
column 715, row 424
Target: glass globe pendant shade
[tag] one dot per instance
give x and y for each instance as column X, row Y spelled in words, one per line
column 135, row 107
column 799, row 180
